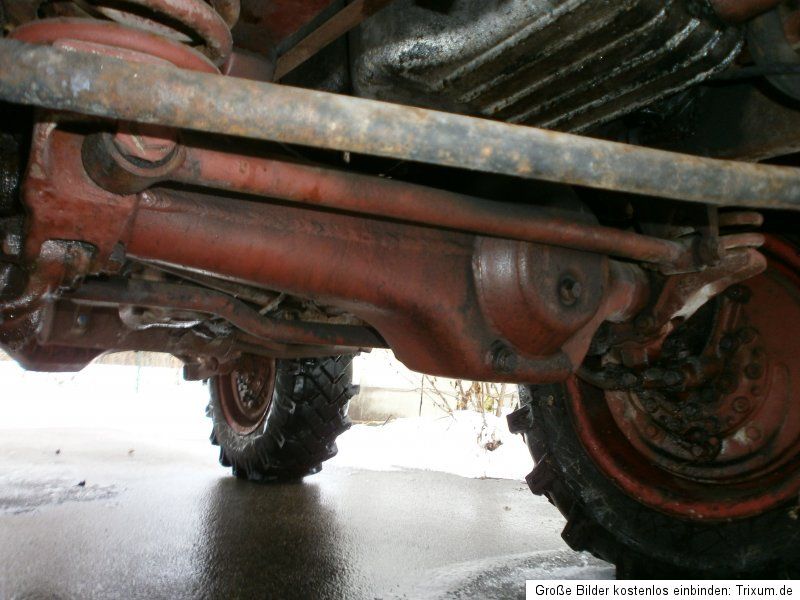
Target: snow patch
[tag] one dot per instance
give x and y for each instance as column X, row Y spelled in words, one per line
column 454, row 444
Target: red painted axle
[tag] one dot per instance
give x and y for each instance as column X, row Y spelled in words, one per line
column 448, row 302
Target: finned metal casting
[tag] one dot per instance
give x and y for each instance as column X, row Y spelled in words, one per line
column 99, row 86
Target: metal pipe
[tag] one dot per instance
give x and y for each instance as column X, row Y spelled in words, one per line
column 183, row 297
column 415, row 203
column 108, row 87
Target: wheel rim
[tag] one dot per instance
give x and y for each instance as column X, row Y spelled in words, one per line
column 731, row 447
column 245, row 394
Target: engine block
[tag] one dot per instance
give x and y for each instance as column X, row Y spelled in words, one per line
column 558, row 64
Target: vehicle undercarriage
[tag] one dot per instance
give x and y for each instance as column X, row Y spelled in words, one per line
column 595, row 200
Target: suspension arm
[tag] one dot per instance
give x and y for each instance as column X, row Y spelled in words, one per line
column 101, row 86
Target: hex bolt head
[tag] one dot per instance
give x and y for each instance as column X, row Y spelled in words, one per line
column 569, row 290
column 504, row 359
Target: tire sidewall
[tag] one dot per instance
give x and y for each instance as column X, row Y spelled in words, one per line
column 623, row 527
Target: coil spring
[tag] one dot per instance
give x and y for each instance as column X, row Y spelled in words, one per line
column 187, row 21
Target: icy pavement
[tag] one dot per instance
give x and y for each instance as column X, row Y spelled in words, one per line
column 97, row 521
column 110, row 489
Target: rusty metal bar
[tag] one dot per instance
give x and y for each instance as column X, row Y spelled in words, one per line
column 343, row 21
column 183, row 297
column 104, row 331
column 415, row 203
column 101, row 86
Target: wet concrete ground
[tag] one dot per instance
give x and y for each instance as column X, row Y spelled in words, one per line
column 99, row 514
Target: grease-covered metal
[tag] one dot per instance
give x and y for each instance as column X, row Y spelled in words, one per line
column 559, row 64
column 163, row 95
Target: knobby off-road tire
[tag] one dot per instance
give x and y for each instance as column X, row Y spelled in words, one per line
column 695, row 482
column 305, row 411
column 640, row 541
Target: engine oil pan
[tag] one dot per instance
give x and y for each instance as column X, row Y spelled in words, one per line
column 558, row 64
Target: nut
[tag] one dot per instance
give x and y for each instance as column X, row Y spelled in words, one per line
column 148, row 143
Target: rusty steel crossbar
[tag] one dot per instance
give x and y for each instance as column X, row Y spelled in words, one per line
column 417, row 204
column 108, row 87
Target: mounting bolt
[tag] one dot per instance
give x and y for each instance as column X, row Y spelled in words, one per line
column 741, row 404
column 504, row 359
column 753, row 433
column 82, row 321
column 569, row 290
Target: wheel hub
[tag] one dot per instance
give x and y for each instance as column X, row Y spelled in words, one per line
column 246, row 394
column 716, row 433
